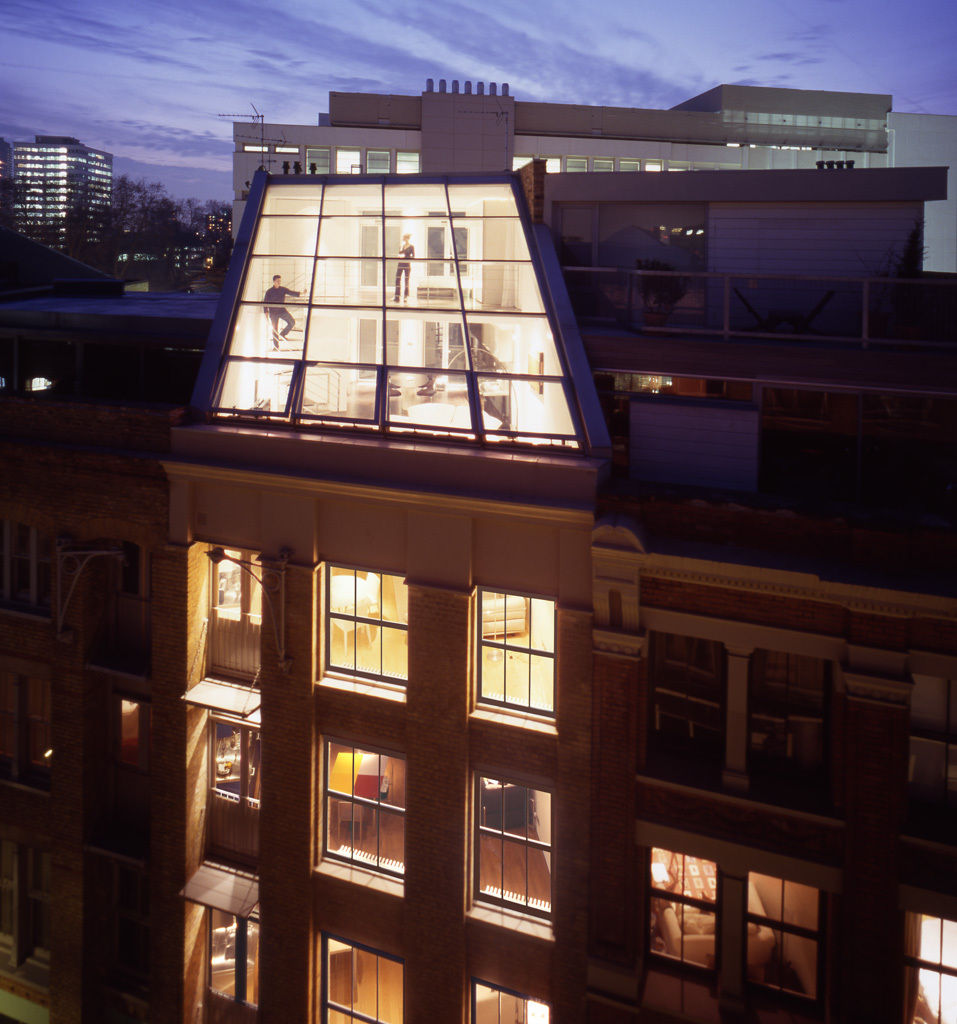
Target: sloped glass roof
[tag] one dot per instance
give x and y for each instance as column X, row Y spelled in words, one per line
column 406, row 308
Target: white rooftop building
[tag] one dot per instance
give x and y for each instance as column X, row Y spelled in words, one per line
column 479, row 127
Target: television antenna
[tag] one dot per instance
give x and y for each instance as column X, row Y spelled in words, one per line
column 265, row 158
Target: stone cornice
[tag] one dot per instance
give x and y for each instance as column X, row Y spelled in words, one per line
column 618, row 643
column 200, row 473
column 803, row 586
column 877, row 689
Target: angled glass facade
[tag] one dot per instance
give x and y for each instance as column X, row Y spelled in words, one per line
column 407, row 308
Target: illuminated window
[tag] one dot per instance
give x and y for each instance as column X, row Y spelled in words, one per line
column 235, row 766
column 518, row 162
column 378, row 161
column 783, row 934
column 365, row 807
column 367, row 624
column 517, row 639
column 683, row 908
column 288, row 149
column 247, row 148
column 576, row 164
column 25, row 751
column 234, row 956
column 930, row 955
column 348, row 161
column 407, row 162
column 360, row 984
column 235, row 615
column 514, row 838
column 652, row 165
column 494, row 1005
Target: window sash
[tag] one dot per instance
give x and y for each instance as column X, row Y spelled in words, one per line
column 520, row 675
column 493, row 843
column 355, row 605
column 343, row 765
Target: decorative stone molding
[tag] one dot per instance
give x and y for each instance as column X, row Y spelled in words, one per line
column 617, row 546
column 619, row 643
column 877, row 689
column 804, row 586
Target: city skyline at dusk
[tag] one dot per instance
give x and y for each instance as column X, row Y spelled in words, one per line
column 149, row 84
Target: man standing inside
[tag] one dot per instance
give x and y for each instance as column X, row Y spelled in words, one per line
column 274, row 295
column 406, row 253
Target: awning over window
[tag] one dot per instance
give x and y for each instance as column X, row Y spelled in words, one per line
column 230, row 891
column 239, row 701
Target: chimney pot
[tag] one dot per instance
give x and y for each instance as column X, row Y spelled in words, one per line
column 468, row 88
column 480, row 88
column 430, row 85
column 504, row 88
column 492, row 89
column 442, row 85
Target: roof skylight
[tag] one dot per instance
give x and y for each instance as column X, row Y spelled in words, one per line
column 405, row 308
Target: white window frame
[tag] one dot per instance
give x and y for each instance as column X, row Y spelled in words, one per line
column 500, row 642
column 370, row 153
column 372, row 806
column 525, row 903
column 314, row 154
column 403, row 161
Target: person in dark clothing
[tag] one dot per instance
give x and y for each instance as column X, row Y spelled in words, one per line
column 272, row 301
column 407, row 252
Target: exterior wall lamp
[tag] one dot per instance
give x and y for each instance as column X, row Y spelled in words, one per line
column 272, row 582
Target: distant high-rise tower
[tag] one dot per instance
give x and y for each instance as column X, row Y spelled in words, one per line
column 57, row 175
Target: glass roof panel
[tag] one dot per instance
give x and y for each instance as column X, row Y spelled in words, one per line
column 491, row 200
column 295, row 200
column 410, row 321
column 341, row 393
column 345, row 336
column 351, row 236
column 286, row 236
column 341, row 282
column 294, row 273
column 490, row 238
column 500, row 287
column 436, row 341
column 352, row 200
column 416, row 200
column 513, row 344
column 260, row 388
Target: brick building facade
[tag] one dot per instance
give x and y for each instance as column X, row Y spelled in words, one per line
column 313, row 713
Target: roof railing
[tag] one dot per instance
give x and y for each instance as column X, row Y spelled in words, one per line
column 858, row 311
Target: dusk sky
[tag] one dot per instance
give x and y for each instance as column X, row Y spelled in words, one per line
column 146, row 80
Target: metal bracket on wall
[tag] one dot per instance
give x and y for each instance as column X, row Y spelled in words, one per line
column 70, row 562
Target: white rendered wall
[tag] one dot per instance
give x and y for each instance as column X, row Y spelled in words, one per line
column 930, row 140
column 706, row 444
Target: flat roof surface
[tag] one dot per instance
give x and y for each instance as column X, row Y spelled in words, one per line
column 801, row 363
column 199, row 306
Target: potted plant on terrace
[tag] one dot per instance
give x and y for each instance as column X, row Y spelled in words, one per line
column 660, row 292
